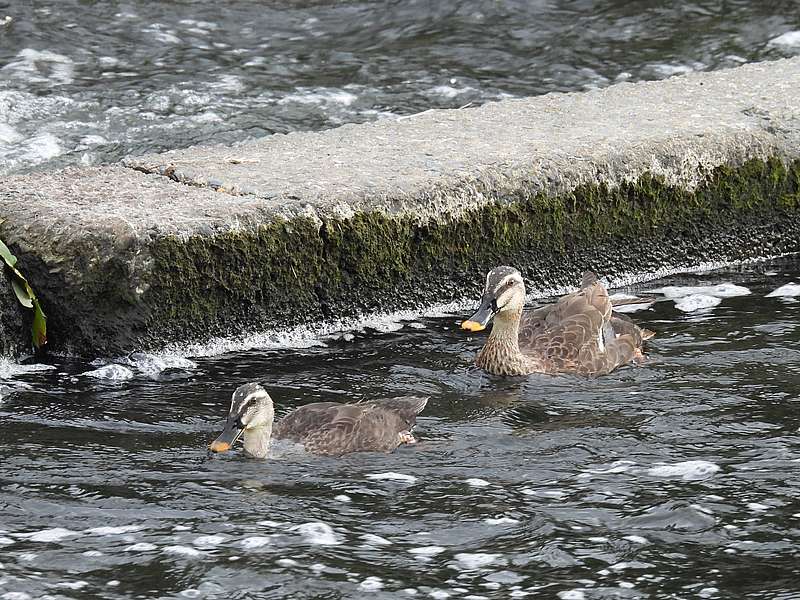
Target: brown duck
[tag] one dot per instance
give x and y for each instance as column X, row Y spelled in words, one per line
column 324, row 428
column 578, row 334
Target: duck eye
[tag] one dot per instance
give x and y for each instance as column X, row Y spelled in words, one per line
column 511, row 282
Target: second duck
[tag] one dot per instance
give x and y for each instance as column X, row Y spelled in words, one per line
column 578, row 334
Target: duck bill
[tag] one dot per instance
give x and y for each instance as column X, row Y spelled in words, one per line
column 227, row 438
column 481, row 318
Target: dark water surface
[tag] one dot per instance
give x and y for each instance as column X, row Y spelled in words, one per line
column 676, row 479
column 87, row 82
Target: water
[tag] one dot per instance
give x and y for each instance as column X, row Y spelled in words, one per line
column 90, row 82
column 676, row 479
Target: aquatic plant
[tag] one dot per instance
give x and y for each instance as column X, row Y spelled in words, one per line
column 26, row 297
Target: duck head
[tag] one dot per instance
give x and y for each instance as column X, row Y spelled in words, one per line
column 251, row 411
column 504, row 293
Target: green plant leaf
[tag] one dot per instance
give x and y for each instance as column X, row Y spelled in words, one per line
column 39, row 328
column 21, row 290
column 10, row 259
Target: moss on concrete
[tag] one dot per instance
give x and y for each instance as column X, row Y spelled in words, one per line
column 293, row 271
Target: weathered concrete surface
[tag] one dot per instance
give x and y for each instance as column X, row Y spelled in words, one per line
column 395, row 214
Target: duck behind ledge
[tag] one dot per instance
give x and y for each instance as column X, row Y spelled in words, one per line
column 324, row 428
column 578, row 334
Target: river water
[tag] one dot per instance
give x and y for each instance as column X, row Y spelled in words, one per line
column 679, row 478
column 85, row 82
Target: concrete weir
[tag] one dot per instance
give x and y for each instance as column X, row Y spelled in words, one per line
column 212, row 241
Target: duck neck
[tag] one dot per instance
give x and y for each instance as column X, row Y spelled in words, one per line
column 256, row 441
column 501, row 354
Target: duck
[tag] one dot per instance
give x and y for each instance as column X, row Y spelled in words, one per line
column 323, row 428
column 579, row 334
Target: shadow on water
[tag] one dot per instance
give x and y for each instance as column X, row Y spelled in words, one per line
column 666, row 480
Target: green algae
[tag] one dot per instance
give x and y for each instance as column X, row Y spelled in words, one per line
column 289, row 272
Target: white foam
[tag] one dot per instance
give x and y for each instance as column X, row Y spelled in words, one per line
column 476, row 560
column 790, row 290
column 6, row 541
column 287, row 562
column 708, row 592
column 42, row 147
column 343, row 498
column 317, row 533
column 392, row 476
column 636, row 539
column 256, row 541
column 572, row 595
column 438, row 594
column 140, row 547
column 92, row 553
column 9, row 368
column 790, row 39
column 41, row 66
column 371, row 584
column 449, row 91
column 182, row 551
column 720, row 290
column 73, row 585
column 690, row 470
column 618, row 466
column 269, row 523
column 695, row 302
column 48, row 535
column 501, row 521
column 427, row 550
column 209, row 540
column 9, row 135
column 375, row 540
column 319, row 96
column 757, row 506
column 113, row 530
column 153, row 365
column 475, row 482
column 112, row 372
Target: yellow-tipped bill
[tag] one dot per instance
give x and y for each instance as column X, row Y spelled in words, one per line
column 472, row 326
column 228, row 437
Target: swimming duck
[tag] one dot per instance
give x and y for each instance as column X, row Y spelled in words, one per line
column 325, row 428
column 578, row 334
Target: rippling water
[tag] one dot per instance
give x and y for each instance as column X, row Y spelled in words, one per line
column 676, row 479
column 89, row 82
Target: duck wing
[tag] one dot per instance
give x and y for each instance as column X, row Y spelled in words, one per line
column 332, row 429
column 580, row 333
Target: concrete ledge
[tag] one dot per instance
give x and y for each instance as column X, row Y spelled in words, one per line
column 397, row 214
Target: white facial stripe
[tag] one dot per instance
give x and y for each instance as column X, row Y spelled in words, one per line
column 504, row 282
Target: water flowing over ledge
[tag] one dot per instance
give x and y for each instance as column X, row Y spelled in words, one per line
column 216, row 241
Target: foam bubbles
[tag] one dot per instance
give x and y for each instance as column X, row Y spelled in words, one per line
column 317, row 533
column 476, row 560
column 694, row 302
column 112, row 372
column 256, row 541
column 113, row 530
column 427, row 550
column 790, row 39
column 48, row 535
column 371, row 584
column 690, row 470
column 392, row 476
column 720, row 290
column 182, row 551
column 140, row 547
column 790, row 290
column 475, row 482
